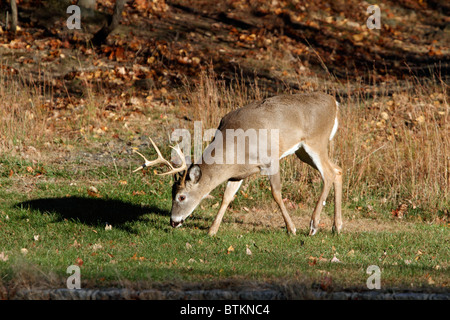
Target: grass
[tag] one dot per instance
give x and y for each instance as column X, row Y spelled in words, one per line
column 55, row 225
column 394, row 150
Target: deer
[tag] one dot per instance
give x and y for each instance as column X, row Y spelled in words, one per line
column 304, row 123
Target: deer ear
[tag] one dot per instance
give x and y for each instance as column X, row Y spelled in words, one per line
column 195, row 173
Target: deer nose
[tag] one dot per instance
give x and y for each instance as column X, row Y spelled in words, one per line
column 175, row 224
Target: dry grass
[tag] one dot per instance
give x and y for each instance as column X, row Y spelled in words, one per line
column 21, row 118
column 396, row 148
column 36, row 119
column 210, row 98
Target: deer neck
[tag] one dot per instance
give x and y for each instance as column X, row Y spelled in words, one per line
column 212, row 176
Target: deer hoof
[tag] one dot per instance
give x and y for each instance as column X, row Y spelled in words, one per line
column 336, row 230
column 312, row 229
column 212, row 232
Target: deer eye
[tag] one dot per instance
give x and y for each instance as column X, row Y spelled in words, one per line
column 181, row 198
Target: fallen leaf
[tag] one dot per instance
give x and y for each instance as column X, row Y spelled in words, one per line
column 79, row 262
column 335, row 260
column 135, row 258
column 400, row 211
column 97, row 246
column 75, row 244
column 93, row 192
column 420, row 119
column 3, row 256
column 230, row 249
column 243, row 193
column 358, row 37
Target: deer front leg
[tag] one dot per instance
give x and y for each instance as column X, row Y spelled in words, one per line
column 228, row 195
column 275, row 185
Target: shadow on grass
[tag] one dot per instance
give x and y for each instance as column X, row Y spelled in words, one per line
column 90, row 211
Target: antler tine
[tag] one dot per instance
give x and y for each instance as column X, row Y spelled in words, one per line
column 148, row 163
column 156, row 148
column 161, row 159
column 144, row 165
column 183, row 164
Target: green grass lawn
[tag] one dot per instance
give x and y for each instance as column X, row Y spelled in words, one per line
column 49, row 221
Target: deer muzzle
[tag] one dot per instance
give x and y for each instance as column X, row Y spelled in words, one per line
column 176, row 224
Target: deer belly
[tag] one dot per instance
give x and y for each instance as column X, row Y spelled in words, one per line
column 291, row 150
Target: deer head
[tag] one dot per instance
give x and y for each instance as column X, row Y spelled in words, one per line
column 186, row 190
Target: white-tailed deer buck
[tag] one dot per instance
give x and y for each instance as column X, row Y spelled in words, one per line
column 302, row 124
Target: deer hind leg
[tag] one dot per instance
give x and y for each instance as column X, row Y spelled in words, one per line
column 337, row 226
column 318, row 159
column 275, row 185
column 228, row 196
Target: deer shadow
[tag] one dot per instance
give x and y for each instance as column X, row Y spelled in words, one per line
column 92, row 211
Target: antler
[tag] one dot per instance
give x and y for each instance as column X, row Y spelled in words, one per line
column 161, row 159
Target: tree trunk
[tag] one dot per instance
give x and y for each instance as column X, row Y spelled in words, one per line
column 90, row 4
column 102, row 34
column 14, row 19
